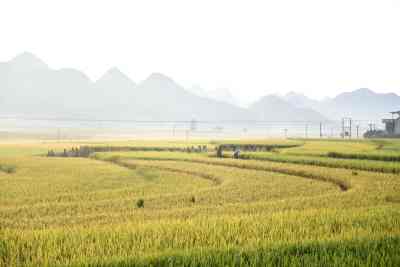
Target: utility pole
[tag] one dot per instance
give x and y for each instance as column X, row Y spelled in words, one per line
column 350, row 129
column 346, row 127
column 343, row 133
column 306, row 130
column 320, row 130
column 187, row 135
column 357, row 127
column 372, row 126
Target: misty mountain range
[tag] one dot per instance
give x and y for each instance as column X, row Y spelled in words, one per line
column 29, row 88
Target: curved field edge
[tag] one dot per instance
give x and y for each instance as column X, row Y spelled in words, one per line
column 241, row 164
column 365, row 156
column 351, row 164
column 84, row 208
column 365, row 188
column 132, row 165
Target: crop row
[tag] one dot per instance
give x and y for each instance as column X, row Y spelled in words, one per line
column 352, row 164
column 271, row 167
column 365, row 156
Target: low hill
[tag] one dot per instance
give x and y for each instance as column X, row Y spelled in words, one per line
column 29, row 87
column 274, row 108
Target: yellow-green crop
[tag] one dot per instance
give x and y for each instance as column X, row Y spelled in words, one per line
column 292, row 206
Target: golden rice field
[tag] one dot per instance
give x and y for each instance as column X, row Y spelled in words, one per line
column 302, row 203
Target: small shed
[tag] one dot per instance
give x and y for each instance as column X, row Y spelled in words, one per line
column 392, row 126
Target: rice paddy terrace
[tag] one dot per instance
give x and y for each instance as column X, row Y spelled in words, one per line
column 167, row 203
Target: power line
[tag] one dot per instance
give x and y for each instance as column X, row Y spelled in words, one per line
column 175, row 121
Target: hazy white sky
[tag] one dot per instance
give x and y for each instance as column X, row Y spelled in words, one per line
column 254, row 48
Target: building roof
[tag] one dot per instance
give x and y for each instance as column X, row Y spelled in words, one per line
column 388, row 120
column 396, row 112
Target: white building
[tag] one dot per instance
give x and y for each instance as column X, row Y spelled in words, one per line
column 392, row 126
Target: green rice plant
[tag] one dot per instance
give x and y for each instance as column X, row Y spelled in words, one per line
column 364, row 156
column 140, row 203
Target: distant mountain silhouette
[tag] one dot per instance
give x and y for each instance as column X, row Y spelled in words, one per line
column 26, row 62
column 274, row 108
column 300, row 100
column 362, row 104
column 197, row 90
column 29, row 87
column 164, row 98
column 114, row 93
column 222, row 94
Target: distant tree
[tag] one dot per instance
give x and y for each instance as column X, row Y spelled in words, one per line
column 375, row 134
